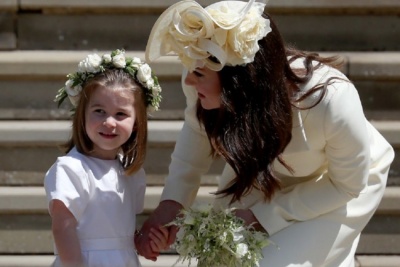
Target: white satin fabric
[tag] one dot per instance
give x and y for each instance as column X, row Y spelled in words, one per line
column 340, row 164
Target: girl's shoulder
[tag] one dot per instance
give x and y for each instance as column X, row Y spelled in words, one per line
column 138, row 177
column 73, row 161
column 67, row 172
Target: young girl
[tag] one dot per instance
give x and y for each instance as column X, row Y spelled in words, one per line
column 97, row 188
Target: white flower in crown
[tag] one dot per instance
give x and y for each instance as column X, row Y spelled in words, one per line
column 156, row 90
column 150, row 83
column 73, row 91
column 94, row 64
column 119, row 59
column 136, row 61
column 144, row 73
column 90, row 64
column 107, row 58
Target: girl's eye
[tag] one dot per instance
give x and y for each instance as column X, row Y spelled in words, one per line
column 121, row 114
column 99, row 111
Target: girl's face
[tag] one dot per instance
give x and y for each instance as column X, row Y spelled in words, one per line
column 110, row 119
column 208, row 87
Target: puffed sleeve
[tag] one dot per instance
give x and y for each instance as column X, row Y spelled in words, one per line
column 347, row 151
column 67, row 181
column 191, row 157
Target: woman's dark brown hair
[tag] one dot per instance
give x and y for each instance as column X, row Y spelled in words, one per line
column 133, row 151
column 253, row 126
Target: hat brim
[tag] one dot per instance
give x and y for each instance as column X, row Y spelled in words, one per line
column 157, row 44
column 155, row 41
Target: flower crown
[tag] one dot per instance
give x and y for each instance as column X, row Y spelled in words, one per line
column 94, row 64
column 224, row 33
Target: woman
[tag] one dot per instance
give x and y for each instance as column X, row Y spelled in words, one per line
column 302, row 161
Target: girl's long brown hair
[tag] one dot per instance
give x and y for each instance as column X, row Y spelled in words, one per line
column 254, row 123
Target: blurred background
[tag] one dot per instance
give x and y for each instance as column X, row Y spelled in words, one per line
column 43, row 40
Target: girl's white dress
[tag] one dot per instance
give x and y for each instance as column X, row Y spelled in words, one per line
column 105, row 203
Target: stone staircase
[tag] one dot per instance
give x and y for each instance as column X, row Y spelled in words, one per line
column 42, row 40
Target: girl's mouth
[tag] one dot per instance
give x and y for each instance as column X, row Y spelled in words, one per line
column 109, row 136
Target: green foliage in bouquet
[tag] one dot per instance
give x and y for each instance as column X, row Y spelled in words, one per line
column 217, row 238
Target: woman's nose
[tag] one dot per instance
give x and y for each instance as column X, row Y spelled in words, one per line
column 190, row 79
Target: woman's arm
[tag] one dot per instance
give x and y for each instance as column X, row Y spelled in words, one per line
column 189, row 161
column 191, row 157
column 180, row 188
column 65, row 235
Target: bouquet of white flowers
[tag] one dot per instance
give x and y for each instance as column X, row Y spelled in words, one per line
column 217, row 238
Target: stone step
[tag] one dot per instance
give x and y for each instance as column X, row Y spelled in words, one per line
column 37, row 75
column 49, row 133
column 169, row 260
column 32, row 199
column 57, row 24
column 50, row 24
column 55, row 64
column 8, row 6
column 8, row 37
column 35, row 178
column 24, row 221
column 31, row 234
column 44, row 72
column 22, row 143
column 282, row 6
column 166, row 132
column 46, row 260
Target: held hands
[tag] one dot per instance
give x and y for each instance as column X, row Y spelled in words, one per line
column 159, row 239
column 153, row 236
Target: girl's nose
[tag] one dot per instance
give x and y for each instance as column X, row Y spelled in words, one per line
column 110, row 122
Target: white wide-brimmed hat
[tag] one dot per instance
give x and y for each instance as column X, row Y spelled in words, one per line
column 224, row 33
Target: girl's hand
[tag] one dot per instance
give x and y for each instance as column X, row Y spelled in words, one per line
column 159, row 239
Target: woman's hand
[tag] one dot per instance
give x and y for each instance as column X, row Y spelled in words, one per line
column 166, row 212
column 159, row 239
